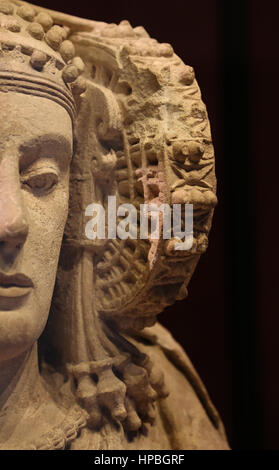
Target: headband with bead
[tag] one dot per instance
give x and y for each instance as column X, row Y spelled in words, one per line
column 37, row 58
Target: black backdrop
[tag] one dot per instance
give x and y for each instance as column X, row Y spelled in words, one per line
column 229, row 323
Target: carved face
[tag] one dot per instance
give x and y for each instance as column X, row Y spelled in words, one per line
column 35, row 153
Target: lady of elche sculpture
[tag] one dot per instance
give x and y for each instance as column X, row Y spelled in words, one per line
column 89, row 110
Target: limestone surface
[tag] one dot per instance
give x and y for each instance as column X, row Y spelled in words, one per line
column 91, row 110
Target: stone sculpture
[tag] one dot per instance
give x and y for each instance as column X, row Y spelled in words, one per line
column 91, row 110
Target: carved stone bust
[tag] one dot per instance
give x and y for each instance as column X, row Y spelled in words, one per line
column 91, row 110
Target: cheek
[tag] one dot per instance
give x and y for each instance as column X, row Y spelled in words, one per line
column 47, row 217
column 38, row 260
column 47, row 214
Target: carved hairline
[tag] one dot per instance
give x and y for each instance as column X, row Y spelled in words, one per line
column 38, row 86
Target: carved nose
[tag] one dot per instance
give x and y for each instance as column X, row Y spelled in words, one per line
column 14, row 232
column 13, row 224
column 13, row 221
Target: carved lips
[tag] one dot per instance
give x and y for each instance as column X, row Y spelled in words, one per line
column 15, row 285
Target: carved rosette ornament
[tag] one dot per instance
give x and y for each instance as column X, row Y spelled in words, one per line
column 141, row 134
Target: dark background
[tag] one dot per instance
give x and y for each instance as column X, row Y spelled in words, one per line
column 229, row 323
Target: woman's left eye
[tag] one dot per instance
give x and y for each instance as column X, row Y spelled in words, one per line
column 41, row 183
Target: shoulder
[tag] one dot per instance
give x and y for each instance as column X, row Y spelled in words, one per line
column 188, row 411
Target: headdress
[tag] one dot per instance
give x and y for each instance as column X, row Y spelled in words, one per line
column 36, row 56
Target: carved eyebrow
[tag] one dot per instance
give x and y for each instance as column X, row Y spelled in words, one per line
column 46, row 146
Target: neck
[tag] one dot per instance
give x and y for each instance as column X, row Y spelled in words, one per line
column 20, row 389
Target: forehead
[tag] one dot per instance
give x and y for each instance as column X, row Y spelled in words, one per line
column 27, row 117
